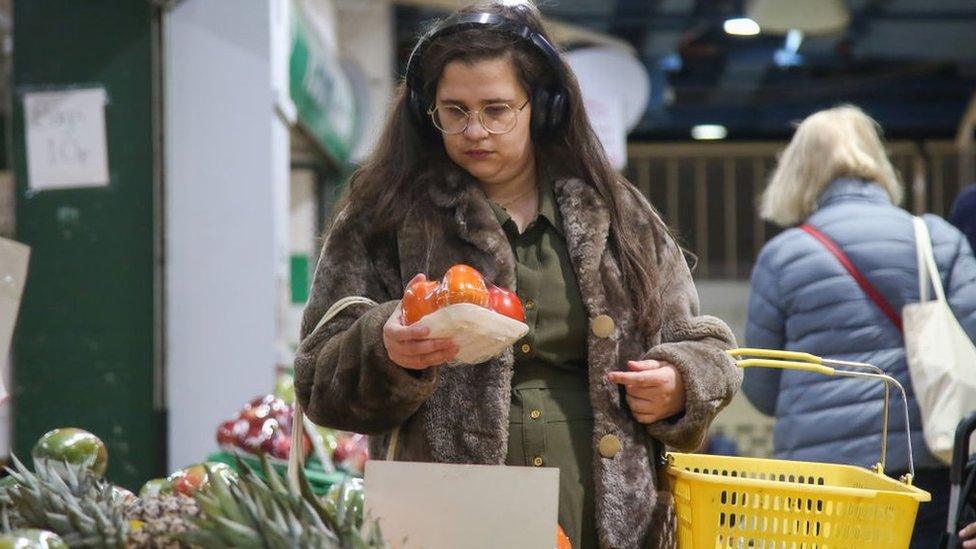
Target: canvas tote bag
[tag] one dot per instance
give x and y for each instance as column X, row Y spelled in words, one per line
column 941, row 357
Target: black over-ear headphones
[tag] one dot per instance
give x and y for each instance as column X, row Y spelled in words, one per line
column 548, row 103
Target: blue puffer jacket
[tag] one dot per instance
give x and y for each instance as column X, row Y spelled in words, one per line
column 802, row 299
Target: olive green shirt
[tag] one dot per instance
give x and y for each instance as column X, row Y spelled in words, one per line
column 551, row 420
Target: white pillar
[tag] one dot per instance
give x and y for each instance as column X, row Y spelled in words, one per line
column 375, row 55
column 226, row 185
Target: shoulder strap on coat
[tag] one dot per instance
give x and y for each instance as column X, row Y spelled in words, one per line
column 866, row 286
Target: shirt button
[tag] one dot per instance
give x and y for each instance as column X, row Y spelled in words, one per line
column 529, row 305
column 526, row 348
column 535, row 414
column 537, row 461
column 609, row 446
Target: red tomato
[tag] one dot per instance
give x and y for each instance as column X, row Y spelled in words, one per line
column 419, row 301
column 505, row 302
column 463, row 284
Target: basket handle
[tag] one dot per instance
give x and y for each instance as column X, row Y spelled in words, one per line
column 806, row 362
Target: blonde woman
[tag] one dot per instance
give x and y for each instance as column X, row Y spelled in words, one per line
column 835, row 180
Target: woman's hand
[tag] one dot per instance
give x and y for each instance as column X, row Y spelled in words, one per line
column 409, row 346
column 655, row 390
column 969, row 535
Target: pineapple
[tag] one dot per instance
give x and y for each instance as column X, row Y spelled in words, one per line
column 155, row 520
column 270, row 514
column 67, row 499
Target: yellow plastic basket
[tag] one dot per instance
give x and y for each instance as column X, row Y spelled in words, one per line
column 752, row 503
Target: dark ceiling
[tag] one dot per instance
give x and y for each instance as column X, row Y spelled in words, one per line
column 909, row 63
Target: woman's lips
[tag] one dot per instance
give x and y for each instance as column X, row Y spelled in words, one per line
column 477, row 154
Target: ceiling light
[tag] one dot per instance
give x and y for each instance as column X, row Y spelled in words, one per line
column 813, row 17
column 741, row 26
column 709, row 132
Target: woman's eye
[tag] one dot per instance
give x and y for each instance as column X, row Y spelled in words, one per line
column 455, row 112
column 496, row 110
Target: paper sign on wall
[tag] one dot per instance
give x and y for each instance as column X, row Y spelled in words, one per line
column 446, row 506
column 13, row 274
column 65, row 132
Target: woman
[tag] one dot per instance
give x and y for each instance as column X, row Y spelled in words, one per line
column 835, row 176
column 487, row 159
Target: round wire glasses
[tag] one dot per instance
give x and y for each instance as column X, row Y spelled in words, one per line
column 495, row 118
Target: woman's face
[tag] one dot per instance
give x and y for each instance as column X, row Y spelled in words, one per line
column 491, row 158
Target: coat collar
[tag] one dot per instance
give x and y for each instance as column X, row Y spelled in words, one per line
column 585, row 220
column 851, row 188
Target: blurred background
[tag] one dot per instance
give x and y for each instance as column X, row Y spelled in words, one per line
column 172, row 164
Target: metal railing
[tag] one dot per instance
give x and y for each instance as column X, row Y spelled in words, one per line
column 708, row 192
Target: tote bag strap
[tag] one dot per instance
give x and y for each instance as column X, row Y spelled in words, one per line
column 928, row 271
column 296, row 459
column 861, row 280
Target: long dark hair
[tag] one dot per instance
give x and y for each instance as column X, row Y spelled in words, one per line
column 405, row 162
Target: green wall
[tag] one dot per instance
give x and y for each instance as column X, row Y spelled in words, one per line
column 84, row 344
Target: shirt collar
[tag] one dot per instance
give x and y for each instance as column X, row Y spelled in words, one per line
column 548, row 209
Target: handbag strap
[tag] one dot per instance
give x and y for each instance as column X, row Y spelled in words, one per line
column 863, row 282
column 928, row 271
column 296, row 458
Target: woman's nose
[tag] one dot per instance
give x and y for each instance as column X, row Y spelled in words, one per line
column 475, row 131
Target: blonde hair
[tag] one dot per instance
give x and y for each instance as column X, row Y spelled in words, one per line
column 832, row 143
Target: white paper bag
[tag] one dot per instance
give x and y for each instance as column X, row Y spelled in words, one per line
column 480, row 333
column 449, row 506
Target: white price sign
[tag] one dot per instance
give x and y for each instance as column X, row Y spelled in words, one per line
column 65, row 133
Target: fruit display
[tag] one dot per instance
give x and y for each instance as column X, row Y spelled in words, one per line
column 72, row 445
column 349, row 496
column 31, row 539
column 271, row 512
column 157, row 522
column 460, row 284
column 188, row 481
column 69, row 500
column 351, row 452
column 262, row 427
column 156, row 487
column 68, row 504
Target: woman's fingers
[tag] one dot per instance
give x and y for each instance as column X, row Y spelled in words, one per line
column 421, row 362
column 969, row 534
column 642, row 378
column 643, row 406
column 399, row 332
column 423, row 347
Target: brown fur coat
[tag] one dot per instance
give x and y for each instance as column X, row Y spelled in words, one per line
column 345, row 380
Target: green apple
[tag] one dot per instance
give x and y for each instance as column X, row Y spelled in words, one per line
column 156, row 487
column 75, row 446
column 31, row 539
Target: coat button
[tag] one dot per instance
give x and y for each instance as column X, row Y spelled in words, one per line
column 602, row 326
column 537, row 461
column 609, row 446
